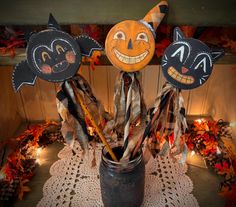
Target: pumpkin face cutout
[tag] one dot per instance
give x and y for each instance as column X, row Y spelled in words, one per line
column 53, row 55
column 187, row 63
column 130, row 45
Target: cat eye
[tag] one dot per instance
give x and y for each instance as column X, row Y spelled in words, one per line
column 179, row 53
column 201, row 65
column 142, row 36
column 45, row 56
column 119, row 35
column 183, row 51
column 202, row 61
column 59, row 49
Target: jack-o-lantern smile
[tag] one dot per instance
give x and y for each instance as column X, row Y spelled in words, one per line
column 128, row 59
column 130, row 45
column 184, row 79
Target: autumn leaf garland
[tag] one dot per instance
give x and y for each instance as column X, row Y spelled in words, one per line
column 204, row 137
column 21, row 162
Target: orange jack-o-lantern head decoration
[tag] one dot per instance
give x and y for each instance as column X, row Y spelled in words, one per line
column 130, row 45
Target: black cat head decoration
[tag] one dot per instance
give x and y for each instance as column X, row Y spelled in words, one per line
column 52, row 55
column 187, row 63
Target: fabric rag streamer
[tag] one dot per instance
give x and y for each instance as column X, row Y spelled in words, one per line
column 74, row 126
column 166, row 124
column 128, row 106
column 186, row 64
column 55, row 56
column 130, row 45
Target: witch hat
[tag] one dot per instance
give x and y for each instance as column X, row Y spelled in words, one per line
column 154, row 17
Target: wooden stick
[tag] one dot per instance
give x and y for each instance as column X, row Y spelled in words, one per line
column 97, row 129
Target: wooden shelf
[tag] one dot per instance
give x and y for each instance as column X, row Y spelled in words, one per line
column 181, row 12
column 6, row 60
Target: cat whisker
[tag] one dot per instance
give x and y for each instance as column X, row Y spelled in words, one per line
column 164, row 64
column 200, row 82
column 166, row 57
column 205, row 76
column 203, row 79
column 164, row 61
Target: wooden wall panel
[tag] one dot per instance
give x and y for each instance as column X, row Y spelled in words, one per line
column 99, row 84
column 31, row 97
column 47, row 95
column 35, row 103
column 186, row 96
column 150, row 84
column 221, row 99
column 111, row 78
column 85, row 72
column 10, row 116
column 197, row 98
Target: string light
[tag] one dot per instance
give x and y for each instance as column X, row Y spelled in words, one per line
column 192, row 153
column 199, row 121
column 232, row 124
column 91, row 130
column 38, row 152
column 38, row 161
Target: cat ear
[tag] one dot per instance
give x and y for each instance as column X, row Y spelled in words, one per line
column 52, row 23
column 28, row 35
column 178, row 34
column 216, row 54
column 87, row 45
column 22, row 74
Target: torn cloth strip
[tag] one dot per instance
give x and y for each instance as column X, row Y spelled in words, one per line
column 167, row 123
column 154, row 114
column 73, row 122
column 74, row 126
column 127, row 85
column 128, row 108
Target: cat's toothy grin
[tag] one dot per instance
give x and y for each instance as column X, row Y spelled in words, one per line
column 128, row 59
column 185, row 79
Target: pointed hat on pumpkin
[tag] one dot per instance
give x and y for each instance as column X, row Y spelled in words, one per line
column 156, row 14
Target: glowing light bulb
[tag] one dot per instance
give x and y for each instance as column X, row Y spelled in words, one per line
column 218, row 151
column 232, row 124
column 201, row 120
column 192, row 153
column 38, row 161
column 38, row 151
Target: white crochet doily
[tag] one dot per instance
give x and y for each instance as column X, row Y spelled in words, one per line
column 74, row 183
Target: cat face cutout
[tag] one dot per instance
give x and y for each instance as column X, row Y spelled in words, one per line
column 187, row 63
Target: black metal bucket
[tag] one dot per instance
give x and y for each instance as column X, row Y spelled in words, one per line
column 122, row 186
